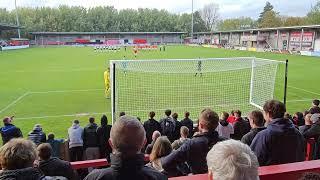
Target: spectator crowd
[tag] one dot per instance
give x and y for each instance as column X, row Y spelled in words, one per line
column 228, row 146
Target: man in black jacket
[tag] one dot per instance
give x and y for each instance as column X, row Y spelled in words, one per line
column 315, row 107
column 127, row 138
column 168, row 126
column 194, row 151
column 103, row 133
column 150, row 126
column 240, row 127
column 257, row 124
column 91, row 141
column 9, row 131
column 188, row 123
column 52, row 166
column 314, row 130
column 280, row 142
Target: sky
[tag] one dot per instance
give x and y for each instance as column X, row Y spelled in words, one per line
column 228, row 8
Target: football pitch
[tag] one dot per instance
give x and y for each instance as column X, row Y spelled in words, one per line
column 53, row 86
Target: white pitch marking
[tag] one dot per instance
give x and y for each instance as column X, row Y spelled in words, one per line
column 14, row 102
column 66, row 115
column 63, row 91
column 304, row 90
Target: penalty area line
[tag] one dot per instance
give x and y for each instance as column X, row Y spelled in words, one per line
column 65, row 115
column 14, row 102
column 64, row 91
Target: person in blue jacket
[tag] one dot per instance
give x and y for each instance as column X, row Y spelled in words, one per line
column 9, row 131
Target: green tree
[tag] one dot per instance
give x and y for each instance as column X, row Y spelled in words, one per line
column 295, row 21
column 236, row 23
column 270, row 19
column 314, row 15
column 268, row 7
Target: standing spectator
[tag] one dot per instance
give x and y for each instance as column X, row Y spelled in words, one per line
column 75, row 134
column 184, row 133
column 150, row 126
column 225, row 128
column 188, row 123
column 232, row 160
column 257, row 124
column 37, row 135
column 127, row 138
column 16, row 159
column 177, row 126
column 281, row 142
column 155, row 136
column 307, row 122
column 298, row 119
column 9, row 131
column 314, row 130
column 55, row 145
column 194, row 151
column 162, row 147
column 103, row 133
column 240, row 127
column 52, row 166
column 315, row 107
column 91, row 141
column 231, row 119
column 168, row 126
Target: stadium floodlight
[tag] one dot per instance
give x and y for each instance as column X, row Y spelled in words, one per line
column 223, row 84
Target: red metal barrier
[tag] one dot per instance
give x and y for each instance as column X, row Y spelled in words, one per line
column 309, row 149
column 292, row 171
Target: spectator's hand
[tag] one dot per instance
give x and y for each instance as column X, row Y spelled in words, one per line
column 36, row 163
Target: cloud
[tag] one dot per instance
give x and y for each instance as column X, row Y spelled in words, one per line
column 228, row 8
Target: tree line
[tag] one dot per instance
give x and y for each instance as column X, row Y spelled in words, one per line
column 109, row 19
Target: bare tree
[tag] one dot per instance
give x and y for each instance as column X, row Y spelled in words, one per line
column 210, row 15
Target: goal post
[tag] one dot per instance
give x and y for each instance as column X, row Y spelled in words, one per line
column 223, row 84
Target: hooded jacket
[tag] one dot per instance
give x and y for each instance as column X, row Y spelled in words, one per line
column 150, row 126
column 9, row 131
column 240, row 127
column 127, row 168
column 280, row 143
column 56, row 167
column 248, row 138
column 90, row 136
column 103, row 133
column 75, row 133
column 225, row 129
column 37, row 136
column 194, row 152
column 21, row 174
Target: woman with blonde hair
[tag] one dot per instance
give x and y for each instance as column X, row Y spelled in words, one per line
column 162, row 147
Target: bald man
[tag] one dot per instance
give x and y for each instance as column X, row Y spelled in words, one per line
column 127, row 138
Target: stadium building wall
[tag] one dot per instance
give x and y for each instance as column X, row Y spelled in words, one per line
column 47, row 38
column 300, row 38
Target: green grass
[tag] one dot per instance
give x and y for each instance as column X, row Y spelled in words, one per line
column 40, row 82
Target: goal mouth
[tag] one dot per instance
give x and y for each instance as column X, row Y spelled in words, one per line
column 224, row 84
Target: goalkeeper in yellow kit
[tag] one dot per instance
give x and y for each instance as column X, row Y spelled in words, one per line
column 107, row 82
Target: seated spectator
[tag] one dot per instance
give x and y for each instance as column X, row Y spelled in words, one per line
column 127, row 138
column 168, row 126
column 75, row 134
column 314, row 130
column 257, row 124
column 240, row 127
column 281, row 142
column 188, row 123
column 298, row 119
column 16, row 159
column 9, row 131
column 184, row 132
column 52, row 166
column 315, row 109
column 103, row 133
column 162, row 147
column 37, row 135
column 231, row 119
column 232, row 160
column 55, row 144
column 225, row 129
column 194, row 151
column 307, row 122
column 177, row 126
column 150, row 126
column 155, row 136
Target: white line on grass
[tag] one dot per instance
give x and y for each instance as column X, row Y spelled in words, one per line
column 300, row 100
column 66, row 115
column 14, row 102
column 304, row 90
column 63, row 91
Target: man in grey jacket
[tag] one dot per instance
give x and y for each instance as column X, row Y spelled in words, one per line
column 75, row 137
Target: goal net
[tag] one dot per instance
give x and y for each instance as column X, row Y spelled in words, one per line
column 223, row 84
